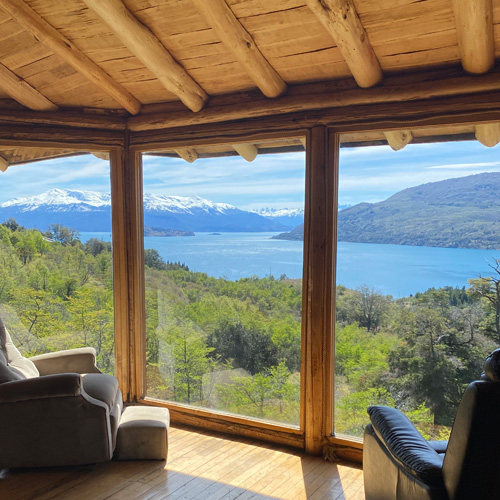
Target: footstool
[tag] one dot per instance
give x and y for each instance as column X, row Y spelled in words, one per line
column 142, row 434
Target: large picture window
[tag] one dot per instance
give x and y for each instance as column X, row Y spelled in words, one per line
column 418, row 263
column 56, row 282
column 223, row 270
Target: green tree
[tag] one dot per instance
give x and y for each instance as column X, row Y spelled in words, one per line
column 489, row 289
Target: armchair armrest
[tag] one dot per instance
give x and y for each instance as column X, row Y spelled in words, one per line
column 79, row 360
column 50, row 386
column 406, row 445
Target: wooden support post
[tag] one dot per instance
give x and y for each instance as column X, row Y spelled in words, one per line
column 398, row 139
column 318, row 290
column 488, row 134
column 128, row 271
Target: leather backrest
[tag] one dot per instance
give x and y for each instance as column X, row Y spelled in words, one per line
column 471, row 467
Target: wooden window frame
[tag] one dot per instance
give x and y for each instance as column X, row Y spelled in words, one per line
column 322, row 129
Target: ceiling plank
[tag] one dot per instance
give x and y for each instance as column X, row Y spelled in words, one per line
column 4, row 164
column 238, row 41
column 23, row 92
column 247, row 151
column 49, row 36
column 150, row 51
column 190, row 155
column 398, row 139
column 488, row 134
column 341, row 20
column 474, row 21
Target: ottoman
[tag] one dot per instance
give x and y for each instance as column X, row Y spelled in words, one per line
column 142, row 434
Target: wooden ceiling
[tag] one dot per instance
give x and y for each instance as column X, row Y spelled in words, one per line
column 161, row 63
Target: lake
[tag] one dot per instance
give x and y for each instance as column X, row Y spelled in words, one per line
column 391, row 269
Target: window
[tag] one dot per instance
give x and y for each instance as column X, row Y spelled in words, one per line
column 56, row 284
column 224, row 255
column 417, row 264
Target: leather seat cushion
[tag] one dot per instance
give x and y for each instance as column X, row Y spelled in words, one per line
column 101, row 386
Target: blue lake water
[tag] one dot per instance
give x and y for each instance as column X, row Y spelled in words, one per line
column 391, row 269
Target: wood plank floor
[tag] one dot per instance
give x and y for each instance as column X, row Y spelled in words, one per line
column 200, row 466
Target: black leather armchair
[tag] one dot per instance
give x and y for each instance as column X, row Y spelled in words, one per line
column 398, row 463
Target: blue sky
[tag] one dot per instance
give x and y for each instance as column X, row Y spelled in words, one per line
column 368, row 174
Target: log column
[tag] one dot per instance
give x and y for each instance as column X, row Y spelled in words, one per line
column 128, row 270
column 319, row 289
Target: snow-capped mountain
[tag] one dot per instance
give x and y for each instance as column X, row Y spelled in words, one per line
column 91, row 211
column 61, row 199
column 290, row 217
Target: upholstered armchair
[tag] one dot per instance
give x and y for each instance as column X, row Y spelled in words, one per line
column 55, row 409
column 398, row 463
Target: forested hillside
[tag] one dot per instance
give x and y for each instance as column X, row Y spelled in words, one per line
column 235, row 345
column 455, row 213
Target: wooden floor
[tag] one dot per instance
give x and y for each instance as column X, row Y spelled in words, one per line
column 199, row 466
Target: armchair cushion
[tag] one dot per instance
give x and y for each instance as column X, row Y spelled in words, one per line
column 50, row 386
column 408, row 448
column 79, row 360
column 11, row 356
column 101, row 387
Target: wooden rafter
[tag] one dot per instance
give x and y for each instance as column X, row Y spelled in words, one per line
column 247, row 151
column 398, row 139
column 150, row 51
column 341, row 20
column 474, row 21
column 488, row 134
column 102, row 155
column 4, row 164
column 190, row 155
column 23, row 92
column 237, row 40
column 57, row 42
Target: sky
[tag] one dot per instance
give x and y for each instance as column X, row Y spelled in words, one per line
column 368, row 174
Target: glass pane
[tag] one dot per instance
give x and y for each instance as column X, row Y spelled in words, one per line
column 223, row 286
column 417, row 266
column 56, row 285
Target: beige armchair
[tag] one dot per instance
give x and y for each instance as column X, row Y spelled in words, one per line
column 55, row 409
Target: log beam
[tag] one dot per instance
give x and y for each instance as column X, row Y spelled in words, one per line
column 247, row 151
column 398, row 139
column 474, row 21
column 488, row 134
column 23, row 92
column 342, row 22
column 190, row 155
column 300, row 98
column 238, row 41
column 4, row 164
column 150, row 51
column 49, row 36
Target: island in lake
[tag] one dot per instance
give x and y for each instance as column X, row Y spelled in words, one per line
column 160, row 231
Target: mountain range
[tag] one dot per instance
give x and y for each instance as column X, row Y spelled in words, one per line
column 462, row 212
column 91, row 211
